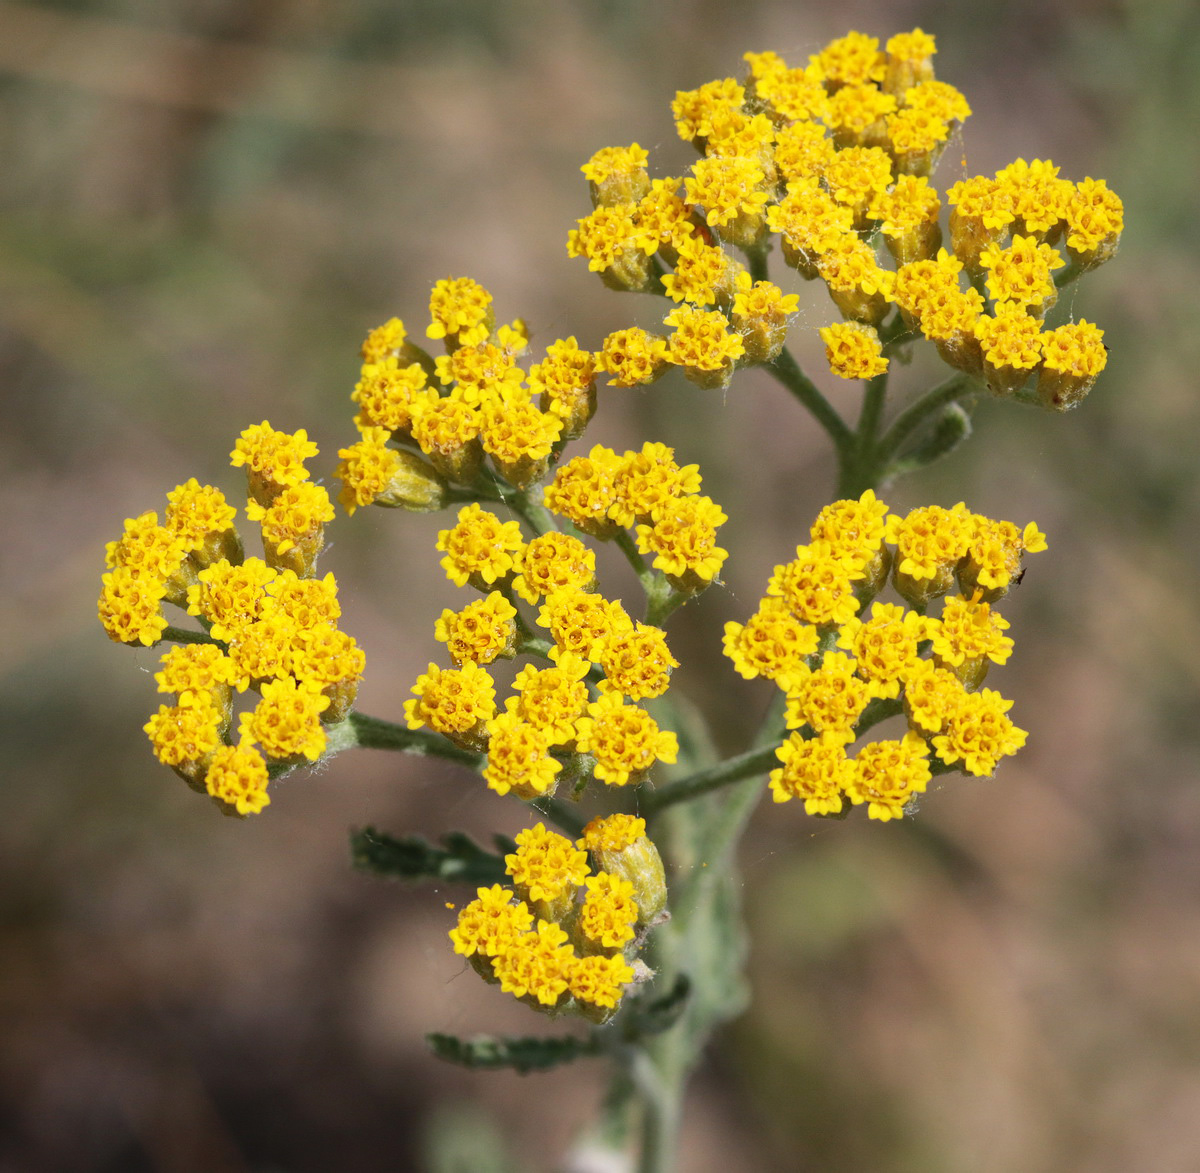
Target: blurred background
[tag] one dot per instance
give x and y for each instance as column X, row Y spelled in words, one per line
column 204, row 205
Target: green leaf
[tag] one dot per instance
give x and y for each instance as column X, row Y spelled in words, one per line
column 662, row 1013
column 951, row 428
column 459, row 860
column 489, row 1053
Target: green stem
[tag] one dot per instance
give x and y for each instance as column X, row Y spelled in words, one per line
column 562, row 814
column 624, row 541
column 363, row 732
column 859, row 470
column 751, row 763
column 182, row 635
column 913, row 416
column 787, row 371
column 756, row 258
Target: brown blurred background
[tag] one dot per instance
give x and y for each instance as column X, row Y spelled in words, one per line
column 204, row 204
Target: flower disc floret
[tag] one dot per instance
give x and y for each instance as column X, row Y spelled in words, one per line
column 536, row 965
column 366, row 469
column 969, row 630
column 194, row 668
column 202, row 518
column 461, row 312
column 582, row 623
column 552, row 699
column 853, row 528
column 649, row 480
column 598, row 980
column 229, row 597
column 295, row 519
column 703, row 345
column 130, row 607
column 633, row 357
column 385, row 393
column 185, row 735
column 554, row 562
column 584, row 491
column 932, row 695
column 624, row 740
column 683, row 540
column 273, row 460
column 853, row 350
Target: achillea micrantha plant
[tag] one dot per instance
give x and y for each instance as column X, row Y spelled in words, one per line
column 829, row 164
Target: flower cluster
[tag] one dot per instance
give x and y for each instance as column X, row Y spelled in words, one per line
column 562, row 938
column 833, row 158
column 472, row 404
column 842, row 669
column 267, row 625
column 576, row 715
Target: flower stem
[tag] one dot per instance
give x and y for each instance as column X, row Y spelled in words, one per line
column 748, row 764
column 787, row 371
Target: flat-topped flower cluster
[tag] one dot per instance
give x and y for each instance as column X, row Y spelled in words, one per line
column 562, row 938
column 828, row 161
column 811, row 636
column 267, row 625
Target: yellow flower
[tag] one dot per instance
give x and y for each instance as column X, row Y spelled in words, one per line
column 552, row 699
column 130, row 607
column 887, row 776
column 771, row 643
column 518, row 758
column 203, row 520
column 286, row 723
column 829, row 699
column 490, row 923
column 733, row 193
column 385, row 393
column 817, row 586
column 625, row 740
column 293, row 526
column 483, row 631
column 186, row 735
column 885, row 646
column 1095, row 218
column 554, row 562
column 683, row 540
column 817, row 771
column 760, row 315
column 455, row 702
column 615, row 246
column 632, row 357
column 480, row 548
column 979, row 733
column 583, row 491
column 853, row 350
column 649, row 481
column 1072, row 357
column 851, row 60
column 461, row 312
column 546, row 866
column 617, row 175
column 273, row 460
column 230, row 598
column 598, row 980
column 1021, row 274
column 637, row 663
column 609, row 912
column 703, row 346
column 237, row 776
column 931, row 695
column 582, row 623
